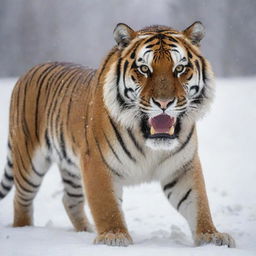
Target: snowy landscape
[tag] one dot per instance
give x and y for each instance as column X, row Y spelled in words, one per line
column 227, row 141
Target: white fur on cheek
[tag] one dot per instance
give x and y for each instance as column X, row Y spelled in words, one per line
column 127, row 117
column 209, row 92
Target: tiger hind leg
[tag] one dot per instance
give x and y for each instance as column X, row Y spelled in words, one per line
column 28, row 175
column 73, row 200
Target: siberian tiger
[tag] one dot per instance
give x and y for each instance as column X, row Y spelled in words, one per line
column 131, row 121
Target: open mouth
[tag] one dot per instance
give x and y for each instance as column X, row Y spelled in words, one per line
column 162, row 126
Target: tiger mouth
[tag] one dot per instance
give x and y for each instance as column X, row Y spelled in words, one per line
column 162, row 126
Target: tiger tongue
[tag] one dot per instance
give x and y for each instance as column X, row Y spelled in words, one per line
column 162, row 123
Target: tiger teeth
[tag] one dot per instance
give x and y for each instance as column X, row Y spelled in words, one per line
column 152, row 130
column 171, row 132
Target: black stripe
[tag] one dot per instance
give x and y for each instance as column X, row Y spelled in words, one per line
column 132, row 56
column 21, row 192
column 48, row 159
column 23, row 188
column 200, row 97
column 28, row 181
column 63, row 148
column 172, row 39
column 198, row 69
column 9, row 163
column 188, row 166
column 133, row 79
column 55, row 65
column 126, row 89
column 7, row 176
column 8, row 188
column 189, row 78
column 74, row 205
column 72, row 92
column 71, row 174
column 47, row 140
column 57, row 78
column 135, row 66
column 78, row 82
column 118, row 71
column 203, row 68
column 86, row 126
column 70, row 74
column 127, row 96
column 30, row 160
column 17, row 99
column 105, row 161
column 174, row 50
column 2, row 195
column 119, row 98
column 186, row 141
column 125, row 69
column 34, row 169
column 151, row 39
column 189, row 54
column 135, row 142
column 62, row 143
column 183, row 198
column 169, row 195
column 71, row 183
column 61, row 76
column 9, row 145
column 134, row 49
column 152, row 45
column 26, row 199
column 173, row 45
column 66, row 86
column 24, row 204
column 146, row 52
column 170, row 185
column 119, row 138
column 112, row 149
column 74, row 195
column 194, row 87
column 23, row 109
column 105, row 63
column 23, row 166
column 53, row 79
column 40, row 83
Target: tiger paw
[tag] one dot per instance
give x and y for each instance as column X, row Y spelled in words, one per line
column 114, row 239
column 215, row 238
column 85, row 228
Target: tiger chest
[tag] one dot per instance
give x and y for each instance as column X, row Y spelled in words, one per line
column 133, row 166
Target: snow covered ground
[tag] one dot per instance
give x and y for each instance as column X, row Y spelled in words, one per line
column 227, row 148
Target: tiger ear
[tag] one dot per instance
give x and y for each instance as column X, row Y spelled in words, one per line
column 195, row 32
column 123, row 34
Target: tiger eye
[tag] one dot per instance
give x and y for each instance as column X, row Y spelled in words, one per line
column 179, row 68
column 144, row 69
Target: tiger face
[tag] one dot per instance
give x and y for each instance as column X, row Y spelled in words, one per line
column 159, row 81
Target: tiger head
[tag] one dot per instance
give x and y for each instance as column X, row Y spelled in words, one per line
column 158, row 81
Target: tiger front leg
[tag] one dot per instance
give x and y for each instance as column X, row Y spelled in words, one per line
column 188, row 195
column 104, row 198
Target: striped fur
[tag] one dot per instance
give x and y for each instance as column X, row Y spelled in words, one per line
column 95, row 124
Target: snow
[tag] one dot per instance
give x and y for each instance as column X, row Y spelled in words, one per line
column 227, row 137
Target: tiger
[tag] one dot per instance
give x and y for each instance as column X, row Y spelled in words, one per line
column 131, row 121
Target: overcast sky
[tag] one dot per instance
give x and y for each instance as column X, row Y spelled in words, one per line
column 80, row 31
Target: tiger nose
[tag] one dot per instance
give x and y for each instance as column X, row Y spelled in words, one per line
column 163, row 104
